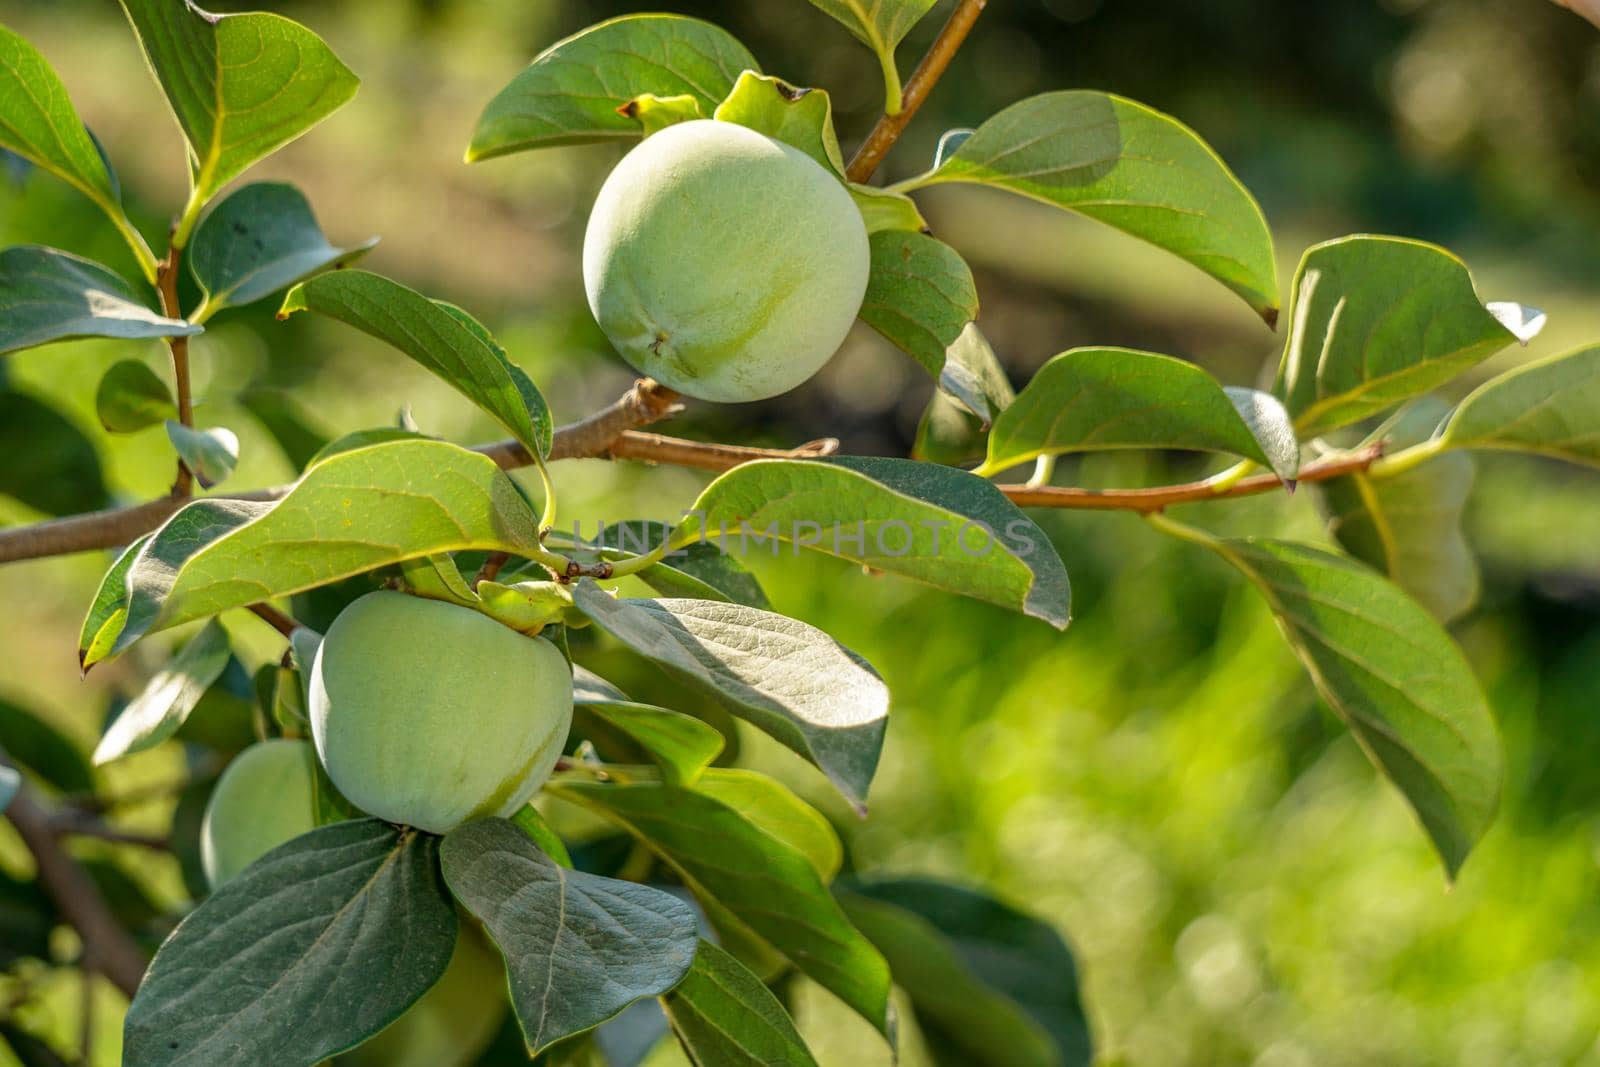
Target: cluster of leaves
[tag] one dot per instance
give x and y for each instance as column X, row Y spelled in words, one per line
column 346, row 927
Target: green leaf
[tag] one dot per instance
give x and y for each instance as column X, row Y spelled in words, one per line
column 799, row 117
column 530, row 822
column 131, row 397
column 1408, row 527
column 62, row 475
column 1089, row 399
column 700, row 571
column 787, row 678
column 1396, row 679
column 723, row 1014
column 655, row 113
column 157, row 712
column 36, row 746
column 260, row 239
column 442, row 338
column 1132, row 168
column 316, row 946
column 29, row 1050
column 882, row 210
column 49, row 295
column 1551, row 407
column 1375, row 321
column 881, row 25
column 744, row 875
column 775, row 810
column 439, row 577
column 579, row 948
column 297, row 433
column 39, row 123
column 948, row 433
column 241, row 86
column 942, row 527
column 347, row 515
column 998, row 985
column 355, row 439
column 211, row 453
column 681, row 745
column 109, row 609
column 973, row 377
column 920, row 295
column 571, row 92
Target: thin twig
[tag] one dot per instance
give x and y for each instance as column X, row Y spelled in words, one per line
column 75, row 895
column 1157, row 498
column 167, row 285
column 67, row 823
column 491, row 567
column 274, row 618
column 889, row 128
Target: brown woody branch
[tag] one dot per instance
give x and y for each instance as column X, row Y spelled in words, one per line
column 76, row 897
column 889, row 128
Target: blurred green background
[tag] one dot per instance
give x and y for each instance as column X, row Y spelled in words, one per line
column 1159, row 781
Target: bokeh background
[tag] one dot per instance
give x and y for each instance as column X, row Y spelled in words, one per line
column 1160, row 781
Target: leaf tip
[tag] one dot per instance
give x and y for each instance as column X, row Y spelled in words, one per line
column 1269, row 315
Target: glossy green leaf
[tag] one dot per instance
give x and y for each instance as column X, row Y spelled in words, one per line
column 1396, row 679
column 1130, row 167
column 799, row 117
column 1551, row 407
column 571, row 91
column 1375, row 321
column 260, row 239
column 39, row 123
column 920, row 295
column 1408, row 527
column 316, row 946
column 211, row 453
column 1090, row 399
column 62, row 475
column 442, row 338
column 723, row 1014
column 789, row 679
column 774, row 809
column 942, row 527
column 38, row 747
column 109, row 609
column 356, row 439
column 747, row 876
column 973, row 377
column 579, row 948
column 681, row 745
column 881, row 25
column 168, row 698
column 997, row 985
column 131, row 396
column 48, row 295
column 699, row 571
column 350, row 514
column 883, row 210
column 241, row 86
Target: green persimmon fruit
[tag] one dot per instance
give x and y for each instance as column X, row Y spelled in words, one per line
column 264, row 798
column 453, row 1022
column 723, row 263
column 428, row 714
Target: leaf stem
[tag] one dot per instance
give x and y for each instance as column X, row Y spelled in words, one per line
column 1226, row 479
column 1409, row 458
column 893, row 96
column 167, row 285
column 148, row 264
column 1180, row 530
column 1044, row 468
column 889, row 128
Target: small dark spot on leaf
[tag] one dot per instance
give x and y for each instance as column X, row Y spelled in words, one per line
column 630, row 110
column 789, row 92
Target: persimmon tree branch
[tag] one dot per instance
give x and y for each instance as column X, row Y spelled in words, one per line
column 889, row 127
column 76, row 897
column 167, row 286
